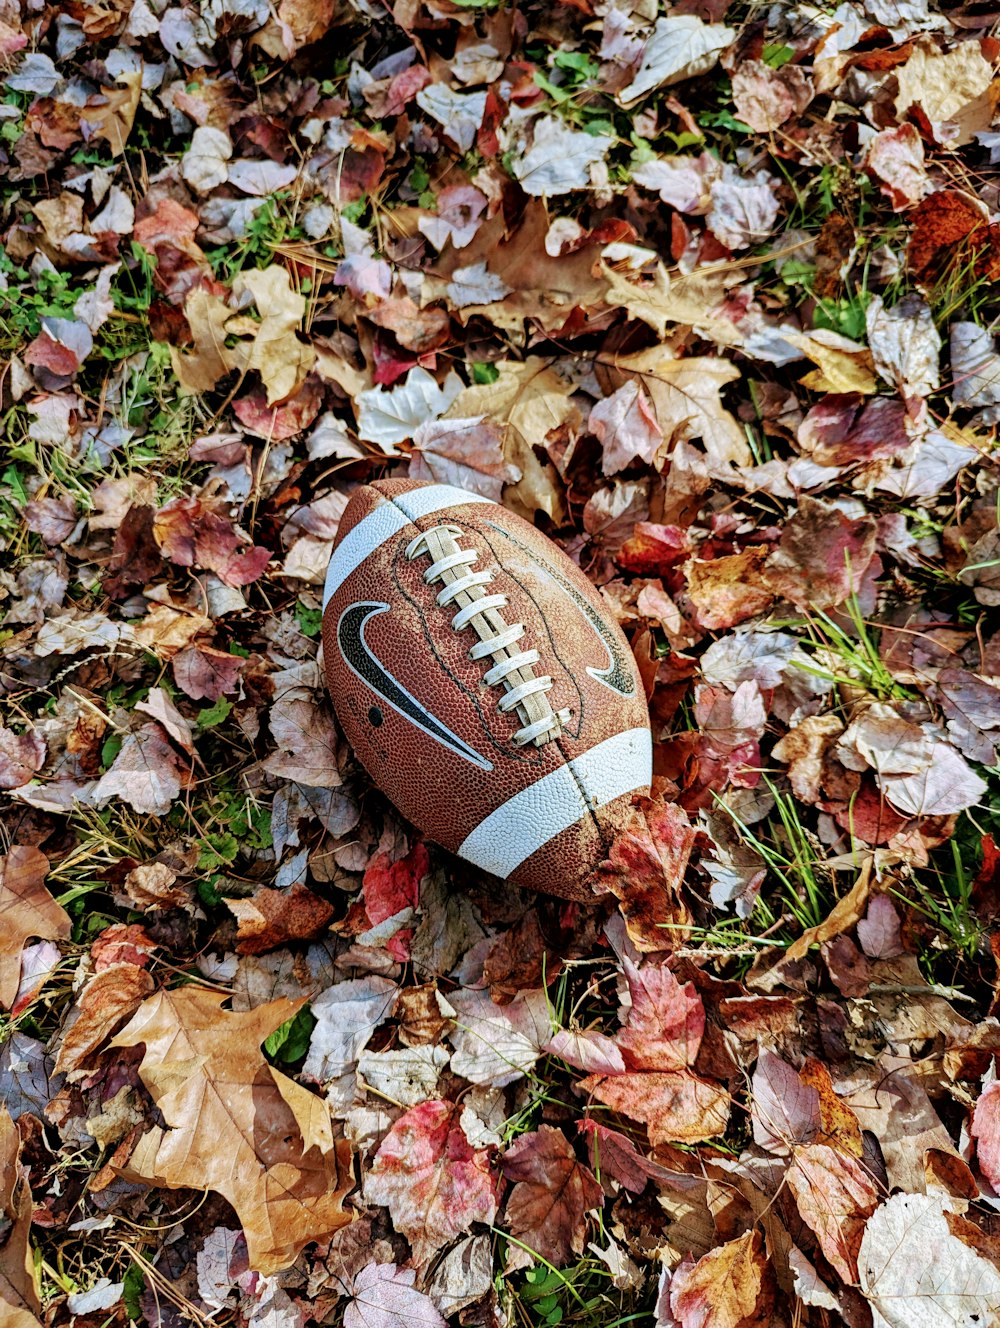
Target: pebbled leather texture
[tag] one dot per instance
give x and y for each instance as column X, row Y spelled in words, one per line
column 450, row 771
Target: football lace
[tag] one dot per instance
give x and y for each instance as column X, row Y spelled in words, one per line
column 525, row 692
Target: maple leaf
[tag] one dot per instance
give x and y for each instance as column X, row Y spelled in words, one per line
column 497, row 1045
column 383, row 1296
column 645, row 871
column 822, row 556
column 432, row 1180
column 721, row 1290
column 235, row 1124
column 20, row 1304
column 553, row 1192
column 666, row 1021
column 676, row 1107
column 26, row 909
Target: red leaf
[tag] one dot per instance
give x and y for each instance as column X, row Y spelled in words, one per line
column 553, row 1191
column 392, row 886
column 434, row 1183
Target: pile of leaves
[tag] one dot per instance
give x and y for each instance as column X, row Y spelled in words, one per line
column 707, row 293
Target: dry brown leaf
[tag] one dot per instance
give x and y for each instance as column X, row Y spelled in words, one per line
column 235, row 1124
column 282, row 361
column 956, row 90
column 20, row 1305
column 274, row 917
column 529, row 401
column 845, row 913
column 114, row 118
column 26, row 909
column 664, row 301
column 108, row 999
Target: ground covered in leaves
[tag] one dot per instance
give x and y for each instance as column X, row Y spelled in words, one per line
column 707, row 292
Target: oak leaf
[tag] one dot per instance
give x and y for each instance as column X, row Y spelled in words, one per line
column 553, row 1192
column 432, row 1180
column 26, row 909
column 235, row 1124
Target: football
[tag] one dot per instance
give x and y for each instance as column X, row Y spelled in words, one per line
column 483, row 683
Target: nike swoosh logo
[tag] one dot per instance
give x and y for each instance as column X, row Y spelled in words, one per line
column 364, row 664
column 618, row 675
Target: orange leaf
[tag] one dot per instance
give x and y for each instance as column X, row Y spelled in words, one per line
column 722, row 1288
column 235, row 1124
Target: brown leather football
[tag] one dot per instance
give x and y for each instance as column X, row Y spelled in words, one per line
column 482, row 683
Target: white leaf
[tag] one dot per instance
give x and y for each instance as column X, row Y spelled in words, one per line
column 206, row 162
column 559, row 159
column 682, row 46
column 461, row 113
column 476, row 285
column 497, row 1044
column 947, row 785
column 905, row 345
column 935, row 461
column 916, row 1274
column 101, row 1296
column 407, row 1075
column 975, row 366
column 384, row 1297
column 261, row 178
column 346, row 1015
column 388, row 416
column 744, row 207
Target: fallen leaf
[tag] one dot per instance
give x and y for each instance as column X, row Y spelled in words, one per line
column 784, row 1110
column 19, row 1298
column 558, row 159
column 744, row 208
column 844, row 914
column 626, row 428
column 389, row 416
column 465, row 452
column 728, row 590
column 954, row 89
column 553, row 1192
column 835, row 1196
column 22, row 755
column 346, row 1014
column 822, row 556
column 665, row 1021
column 383, row 1296
column 905, row 345
column 985, row 1130
column 764, row 97
column 113, row 116
column 723, row 1288
column 235, row 1124
column 270, row 918
column 896, row 158
column 432, row 1180
column 645, row 871
column 916, row 1274
column 109, row 998
column 945, row 785
column 681, row 46
column 307, row 743
column 147, row 773
column 676, row 1107
column 497, row 1044
column 26, row 909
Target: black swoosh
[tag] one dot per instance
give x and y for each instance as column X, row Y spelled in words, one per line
column 618, row 675
column 359, row 659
